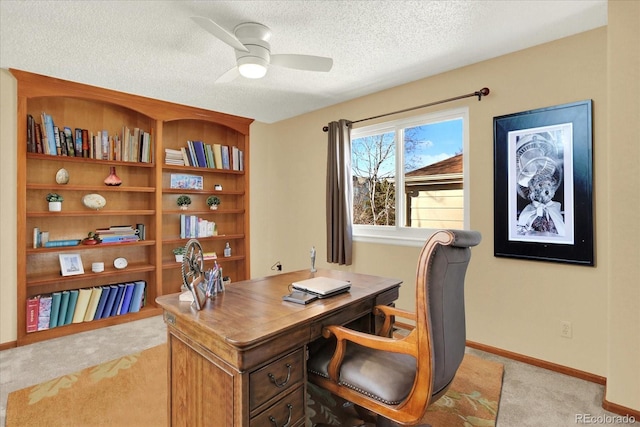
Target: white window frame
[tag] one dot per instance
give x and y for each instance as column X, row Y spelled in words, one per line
column 399, row 234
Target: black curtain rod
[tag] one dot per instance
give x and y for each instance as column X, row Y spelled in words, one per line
column 482, row 92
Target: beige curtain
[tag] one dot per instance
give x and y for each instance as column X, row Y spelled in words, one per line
column 339, row 193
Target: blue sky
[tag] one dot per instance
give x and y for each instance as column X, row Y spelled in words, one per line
column 431, row 143
column 437, row 141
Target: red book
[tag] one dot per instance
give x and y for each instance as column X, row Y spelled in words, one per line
column 33, row 307
column 85, row 143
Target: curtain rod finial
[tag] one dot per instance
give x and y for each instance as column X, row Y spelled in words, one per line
column 483, row 92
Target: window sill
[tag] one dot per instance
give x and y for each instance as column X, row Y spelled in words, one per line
column 396, row 237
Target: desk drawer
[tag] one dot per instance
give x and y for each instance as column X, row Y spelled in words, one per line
column 343, row 317
column 275, row 378
column 288, row 411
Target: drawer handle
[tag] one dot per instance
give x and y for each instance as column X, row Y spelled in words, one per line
column 286, row 424
column 286, row 380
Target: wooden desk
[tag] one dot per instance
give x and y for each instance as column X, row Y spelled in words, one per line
column 241, row 361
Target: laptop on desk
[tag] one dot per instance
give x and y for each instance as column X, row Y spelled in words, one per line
column 322, row 287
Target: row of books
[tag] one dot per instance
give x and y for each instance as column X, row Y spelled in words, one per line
column 131, row 145
column 191, row 227
column 201, row 155
column 84, row 305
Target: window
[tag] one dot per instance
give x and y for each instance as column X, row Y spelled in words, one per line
column 423, row 156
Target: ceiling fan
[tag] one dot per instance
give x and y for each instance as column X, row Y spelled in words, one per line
column 250, row 41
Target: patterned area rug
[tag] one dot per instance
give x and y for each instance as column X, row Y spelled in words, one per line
column 131, row 391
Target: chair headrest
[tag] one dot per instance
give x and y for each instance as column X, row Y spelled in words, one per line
column 465, row 238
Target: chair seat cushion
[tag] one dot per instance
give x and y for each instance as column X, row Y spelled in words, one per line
column 381, row 375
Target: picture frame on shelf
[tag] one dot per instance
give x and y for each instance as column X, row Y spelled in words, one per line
column 186, row 181
column 71, row 264
column 543, row 207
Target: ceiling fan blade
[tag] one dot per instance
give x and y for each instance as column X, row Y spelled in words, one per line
column 228, row 76
column 302, row 62
column 220, row 33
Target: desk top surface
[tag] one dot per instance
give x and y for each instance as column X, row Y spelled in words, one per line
column 252, row 311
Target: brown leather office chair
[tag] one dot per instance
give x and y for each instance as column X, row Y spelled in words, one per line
column 396, row 376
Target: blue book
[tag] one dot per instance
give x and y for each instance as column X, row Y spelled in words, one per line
column 187, row 226
column 226, row 162
column 102, row 302
column 113, row 291
column 126, row 299
column 200, row 155
column 59, row 243
column 56, row 298
column 78, row 150
column 71, row 308
column 64, row 304
column 138, row 296
column 51, row 139
column 118, row 300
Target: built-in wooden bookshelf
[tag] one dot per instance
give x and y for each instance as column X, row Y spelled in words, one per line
column 144, row 197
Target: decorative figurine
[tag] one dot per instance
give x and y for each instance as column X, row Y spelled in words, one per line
column 313, row 259
column 62, row 176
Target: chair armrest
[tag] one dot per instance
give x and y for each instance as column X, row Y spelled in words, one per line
column 406, row 345
column 389, row 313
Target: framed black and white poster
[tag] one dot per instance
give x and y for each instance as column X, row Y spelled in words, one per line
column 543, row 184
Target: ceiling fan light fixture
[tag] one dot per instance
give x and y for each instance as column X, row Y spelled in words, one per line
column 252, row 70
column 253, row 65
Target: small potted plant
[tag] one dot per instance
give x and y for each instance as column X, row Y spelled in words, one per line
column 213, row 202
column 179, row 253
column 183, row 202
column 55, row 202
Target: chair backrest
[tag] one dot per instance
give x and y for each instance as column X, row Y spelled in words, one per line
column 441, row 271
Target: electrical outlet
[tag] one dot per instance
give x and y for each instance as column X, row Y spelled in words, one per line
column 565, row 329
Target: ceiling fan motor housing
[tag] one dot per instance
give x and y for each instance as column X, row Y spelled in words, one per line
column 255, row 37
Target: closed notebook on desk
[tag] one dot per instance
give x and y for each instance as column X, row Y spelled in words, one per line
column 323, row 287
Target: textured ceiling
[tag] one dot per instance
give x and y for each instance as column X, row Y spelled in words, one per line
column 154, row 49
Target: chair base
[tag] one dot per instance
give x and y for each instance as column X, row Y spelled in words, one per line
column 385, row 422
column 379, row 421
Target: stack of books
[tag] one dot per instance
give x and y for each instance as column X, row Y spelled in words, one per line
column 173, row 157
column 118, row 234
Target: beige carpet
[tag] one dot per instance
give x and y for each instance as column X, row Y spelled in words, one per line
column 131, row 391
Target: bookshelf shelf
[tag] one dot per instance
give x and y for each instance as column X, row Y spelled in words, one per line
column 207, row 192
column 218, row 211
column 82, row 247
column 195, row 171
column 102, row 212
column 179, row 241
column 110, row 272
column 112, row 120
column 169, row 264
column 85, row 161
column 89, row 189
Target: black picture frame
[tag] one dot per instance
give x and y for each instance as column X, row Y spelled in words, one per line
column 543, row 180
